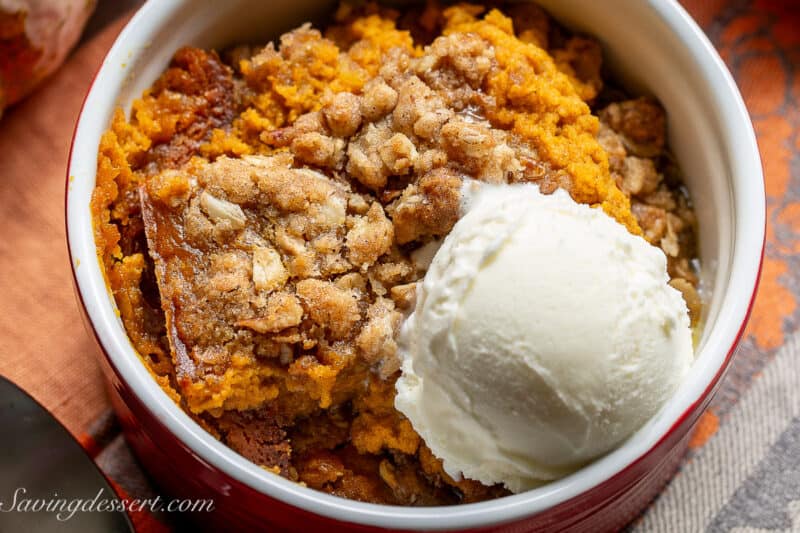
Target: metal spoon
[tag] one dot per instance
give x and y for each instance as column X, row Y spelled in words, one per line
column 47, row 482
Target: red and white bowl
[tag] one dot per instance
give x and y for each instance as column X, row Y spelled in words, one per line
column 653, row 47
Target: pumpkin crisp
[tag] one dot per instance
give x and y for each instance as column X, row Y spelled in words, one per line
column 259, row 217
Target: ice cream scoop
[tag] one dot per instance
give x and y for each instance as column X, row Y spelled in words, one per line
column 544, row 335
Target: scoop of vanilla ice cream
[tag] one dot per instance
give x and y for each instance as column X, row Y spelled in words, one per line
column 544, row 335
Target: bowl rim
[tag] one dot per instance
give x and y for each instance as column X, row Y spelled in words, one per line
column 96, row 302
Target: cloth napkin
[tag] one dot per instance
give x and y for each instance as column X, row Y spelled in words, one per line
column 743, row 469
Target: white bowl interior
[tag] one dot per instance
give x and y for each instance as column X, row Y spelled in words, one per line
column 654, row 48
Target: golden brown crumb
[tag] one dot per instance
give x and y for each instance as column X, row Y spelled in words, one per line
column 640, row 122
column 693, row 301
column 283, row 311
column 430, row 208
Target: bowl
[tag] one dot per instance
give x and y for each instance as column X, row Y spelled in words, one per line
column 652, row 47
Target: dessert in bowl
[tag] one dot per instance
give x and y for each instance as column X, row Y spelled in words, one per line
column 283, row 200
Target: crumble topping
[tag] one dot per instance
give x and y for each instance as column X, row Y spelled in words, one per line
column 264, row 266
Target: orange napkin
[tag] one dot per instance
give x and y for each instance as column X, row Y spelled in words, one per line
column 44, row 347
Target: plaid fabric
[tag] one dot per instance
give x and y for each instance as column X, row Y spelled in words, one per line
column 747, row 477
column 743, row 470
